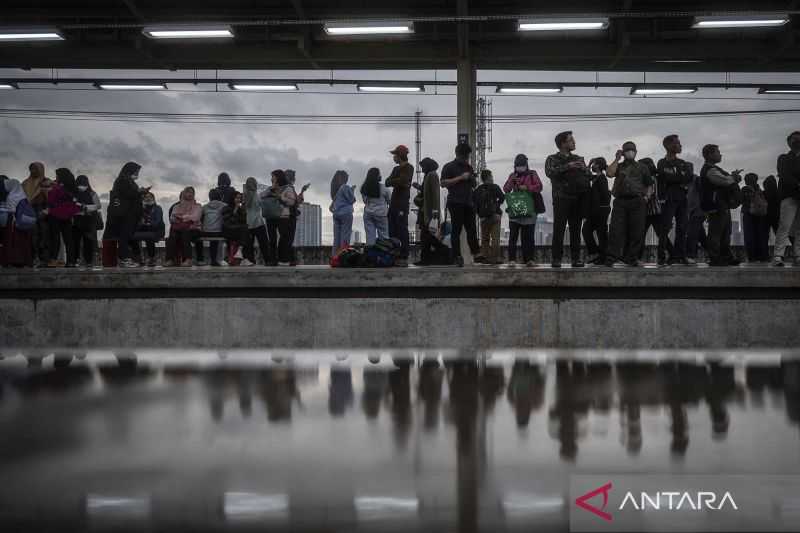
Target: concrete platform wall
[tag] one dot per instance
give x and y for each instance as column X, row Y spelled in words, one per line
column 398, row 308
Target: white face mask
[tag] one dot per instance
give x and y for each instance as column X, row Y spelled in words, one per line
column 135, row 177
column 82, row 188
column 629, row 154
column 520, row 170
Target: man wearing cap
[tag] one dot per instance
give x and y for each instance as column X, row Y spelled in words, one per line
column 400, row 181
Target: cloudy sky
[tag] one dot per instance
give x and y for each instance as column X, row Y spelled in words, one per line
column 174, row 155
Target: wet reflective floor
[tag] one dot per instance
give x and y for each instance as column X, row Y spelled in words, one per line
column 370, row 441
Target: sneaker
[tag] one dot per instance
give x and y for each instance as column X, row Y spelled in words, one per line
column 246, row 263
column 530, row 263
column 690, row 261
column 215, row 264
column 238, row 254
column 128, row 263
column 777, row 261
column 283, row 264
column 578, row 264
column 224, row 263
column 186, row 263
column 458, row 261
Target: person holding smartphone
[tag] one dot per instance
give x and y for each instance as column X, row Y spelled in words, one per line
column 717, row 185
column 458, row 177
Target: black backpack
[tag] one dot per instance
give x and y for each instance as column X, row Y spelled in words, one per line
column 487, row 202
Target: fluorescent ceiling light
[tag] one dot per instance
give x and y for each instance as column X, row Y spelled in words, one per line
column 375, row 88
column 529, row 89
column 656, row 90
column 250, row 505
column 383, row 507
column 740, row 21
column 369, row 28
column 126, row 86
column 563, row 24
column 187, row 32
column 263, row 87
column 7, row 86
column 37, row 34
column 678, row 61
column 780, row 90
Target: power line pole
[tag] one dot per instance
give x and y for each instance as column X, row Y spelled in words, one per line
column 483, row 134
column 418, row 140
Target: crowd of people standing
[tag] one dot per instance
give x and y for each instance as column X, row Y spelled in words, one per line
column 40, row 213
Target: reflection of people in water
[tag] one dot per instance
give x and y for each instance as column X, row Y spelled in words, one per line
column 340, row 392
column 493, row 383
column 429, row 390
column 376, row 383
column 278, row 389
column 721, row 387
column 525, row 390
column 400, row 398
column 570, row 406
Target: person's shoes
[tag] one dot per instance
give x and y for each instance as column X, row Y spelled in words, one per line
column 200, row 263
column 662, row 262
column 420, row 264
column 151, row 262
column 480, row 259
column 53, row 264
column 128, row 263
column 215, row 264
column 593, row 258
column 224, row 263
column 578, row 264
column 634, row 264
column 690, row 261
column 734, row 262
column 555, row 264
column 777, row 261
column 186, row 263
column 458, row 261
column 609, row 263
column 530, row 263
column 246, row 263
column 286, row 264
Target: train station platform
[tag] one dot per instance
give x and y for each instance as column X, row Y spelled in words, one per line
column 433, row 307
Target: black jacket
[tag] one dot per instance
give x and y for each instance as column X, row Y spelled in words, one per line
column 461, row 192
column 674, row 177
column 125, row 200
column 789, row 174
column 488, row 192
column 600, row 194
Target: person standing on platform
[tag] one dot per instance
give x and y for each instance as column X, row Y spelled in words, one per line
column 376, row 199
column 631, row 181
column 571, row 187
column 429, row 219
column 696, row 231
column 789, row 192
column 488, row 198
column 37, row 187
column 754, row 220
column 294, row 213
column 124, row 212
column 773, row 197
column 458, row 177
column 288, row 198
column 599, row 210
column 654, row 218
column 400, row 181
column 524, row 228
column 717, row 188
column 61, row 207
column 256, row 226
column 85, row 224
column 342, row 199
column 673, row 178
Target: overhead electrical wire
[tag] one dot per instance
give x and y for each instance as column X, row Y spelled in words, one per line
column 290, row 119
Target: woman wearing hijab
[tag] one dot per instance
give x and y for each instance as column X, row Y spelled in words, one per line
column 234, row 229
column 288, row 198
column 61, row 207
column 16, row 244
column 124, row 212
column 343, row 198
column 429, row 218
column 185, row 222
column 376, row 206
column 36, row 188
column 150, row 229
column 85, row 223
column 256, row 226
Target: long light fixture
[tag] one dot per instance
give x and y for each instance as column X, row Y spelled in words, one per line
column 6, row 86
column 754, row 21
column 128, row 86
column 529, row 89
column 389, row 88
column 30, row 34
column 566, row 24
column 188, row 32
column 369, row 28
column 655, row 90
column 788, row 89
column 263, row 86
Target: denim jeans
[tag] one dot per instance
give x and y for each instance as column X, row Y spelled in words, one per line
column 376, row 227
column 788, row 226
column 342, row 228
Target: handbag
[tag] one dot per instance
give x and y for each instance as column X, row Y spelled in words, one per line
column 520, row 204
column 98, row 218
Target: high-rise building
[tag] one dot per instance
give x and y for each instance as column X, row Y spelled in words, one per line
column 309, row 226
column 357, row 237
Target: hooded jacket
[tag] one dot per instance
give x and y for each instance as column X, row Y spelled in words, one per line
column 253, row 204
column 33, row 185
column 226, row 192
column 14, row 195
column 431, row 187
column 212, row 216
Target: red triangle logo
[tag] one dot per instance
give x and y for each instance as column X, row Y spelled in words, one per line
column 581, row 501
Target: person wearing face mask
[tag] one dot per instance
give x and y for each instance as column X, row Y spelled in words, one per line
column 124, row 212
column 571, row 186
column 61, row 207
column 488, row 197
column 717, row 185
column 599, row 209
column 151, row 229
column 789, row 194
column 526, row 180
column 85, row 223
column 185, row 223
column 631, row 181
